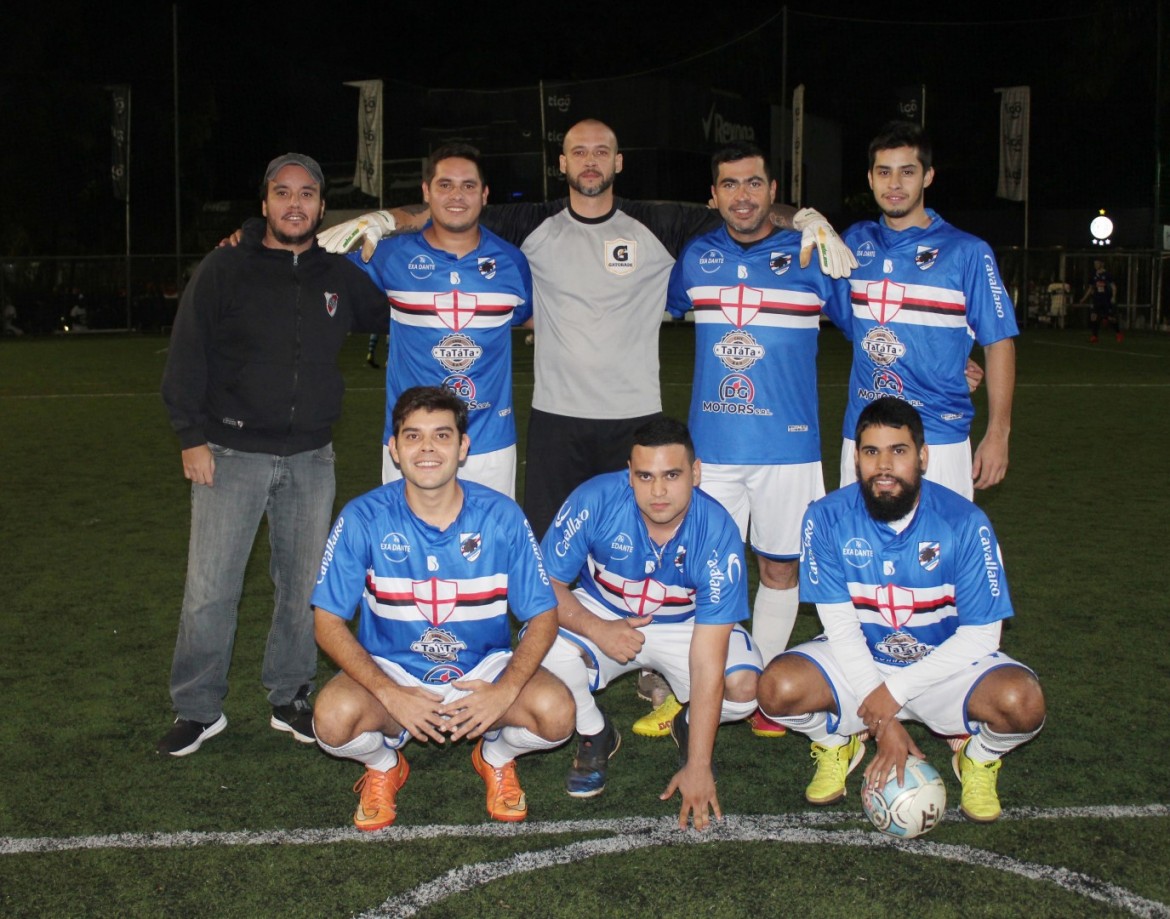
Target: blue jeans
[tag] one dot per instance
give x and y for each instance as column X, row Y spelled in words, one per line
column 296, row 493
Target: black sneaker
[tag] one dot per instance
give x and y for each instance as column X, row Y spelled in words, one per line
column 296, row 717
column 680, row 733
column 373, row 362
column 586, row 778
column 186, row 737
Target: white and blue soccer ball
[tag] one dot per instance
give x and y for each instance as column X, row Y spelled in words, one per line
column 910, row 809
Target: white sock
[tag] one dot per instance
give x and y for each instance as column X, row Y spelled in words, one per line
column 368, row 748
column 734, row 711
column 564, row 661
column 511, row 742
column 988, row 745
column 814, row 726
column 773, row 617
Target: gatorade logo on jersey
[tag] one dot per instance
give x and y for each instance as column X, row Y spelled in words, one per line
column 422, row 266
column 620, row 256
column 926, row 257
column 330, row 304
column 456, row 352
column 779, row 262
column 711, row 261
column 738, row 350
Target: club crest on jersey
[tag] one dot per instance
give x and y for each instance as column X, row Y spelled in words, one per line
column 438, row 646
column 738, row 350
column 882, row 346
column 779, row 262
column 928, row 555
column 711, row 261
column 740, row 304
column 435, row 599
column 470, row 544
column 620, row 256
column 885, row 298
column 926, row 257
column 331, row 303
column 643, row 598
column 680, row 558
column 422, row 266
column 455, row 309
column 394, row 547
column 487, row 267
column 456, row 352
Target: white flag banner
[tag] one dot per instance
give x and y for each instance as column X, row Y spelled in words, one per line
column 368, row 173
column 797, row 145
column 1014, row 105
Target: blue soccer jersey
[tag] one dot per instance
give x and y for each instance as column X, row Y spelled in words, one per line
column 757, row 317
column 599, row 538
column 920, row 297
column 911, row 590
column 434, row 602
column 450, row 325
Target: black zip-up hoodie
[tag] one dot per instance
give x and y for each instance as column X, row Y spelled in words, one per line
column 253, row 356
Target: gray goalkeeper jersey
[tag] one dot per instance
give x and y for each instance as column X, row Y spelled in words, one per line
column 599, row 292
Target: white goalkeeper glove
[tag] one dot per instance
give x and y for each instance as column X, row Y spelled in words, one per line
column 366, row 229
column 816, row 233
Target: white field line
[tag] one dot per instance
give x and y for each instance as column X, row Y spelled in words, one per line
column 630, row 834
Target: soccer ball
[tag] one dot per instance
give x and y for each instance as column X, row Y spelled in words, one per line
column 911, row 809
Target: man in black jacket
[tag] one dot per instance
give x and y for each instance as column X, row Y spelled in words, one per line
column 253, row 388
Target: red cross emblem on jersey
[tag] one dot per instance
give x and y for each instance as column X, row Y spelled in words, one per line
column 885, row 299
column 643, row 598
column 896, row 604
column 456, row 309
column 740, row 304
column 436, row 599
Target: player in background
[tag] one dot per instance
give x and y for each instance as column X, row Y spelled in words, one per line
column 432, row 564
column 754, row 407
column 922, row 292
column 661, row 585
column 910, row 587
column 1103, row 291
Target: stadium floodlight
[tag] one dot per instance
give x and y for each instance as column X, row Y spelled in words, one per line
column 1102, row 229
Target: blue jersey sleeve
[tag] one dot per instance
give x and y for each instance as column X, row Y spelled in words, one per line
column 981, row 590
column 822, row 579
column 718, row 573
column 341, row 579
column 990, row 312
column 530, row 591
column 566, row 544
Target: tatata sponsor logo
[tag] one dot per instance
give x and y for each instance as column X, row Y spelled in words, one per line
column 456, row 352
column 882, row 346
column 738, row 350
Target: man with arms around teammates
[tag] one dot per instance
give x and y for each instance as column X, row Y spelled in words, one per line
column 922, row 293
column 754, row 408
column 433, row 564
column 910, row 587
column 660, row 585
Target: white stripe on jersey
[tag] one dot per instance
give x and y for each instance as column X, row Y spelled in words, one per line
column 890, row 605
column 437, row 600
column 428, row 309
column 641, row 598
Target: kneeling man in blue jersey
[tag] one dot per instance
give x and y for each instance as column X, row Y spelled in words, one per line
column 661, row 585
column 910, row 588
column 434, row 564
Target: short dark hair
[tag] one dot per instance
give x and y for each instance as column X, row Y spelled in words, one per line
column 452, row 150
column 895, row 134
column 664, row 432
column 890, row 412
column 733, row 153
column 430, row 399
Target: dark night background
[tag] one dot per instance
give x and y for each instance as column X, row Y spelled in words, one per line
column 256, row 80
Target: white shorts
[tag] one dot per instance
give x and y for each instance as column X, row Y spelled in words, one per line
column 495, row 470
column 487, row 670
column 946, row 464
column 773, row 497
column 942, row 707
column 667, row 649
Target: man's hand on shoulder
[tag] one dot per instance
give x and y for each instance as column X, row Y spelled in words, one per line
column 365, row 230
column 817, row 235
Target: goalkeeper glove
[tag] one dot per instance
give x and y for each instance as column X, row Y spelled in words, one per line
column 818, row 234
column 366, row 229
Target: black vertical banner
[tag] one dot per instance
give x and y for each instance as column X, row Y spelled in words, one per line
column 120, row 141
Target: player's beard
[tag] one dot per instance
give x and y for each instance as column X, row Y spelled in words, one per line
column 593, row 191
column 888, row 507
column 286, row 239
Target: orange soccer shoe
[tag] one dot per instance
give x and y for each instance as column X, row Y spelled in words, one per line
column 505, row 797
column 378, row 807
